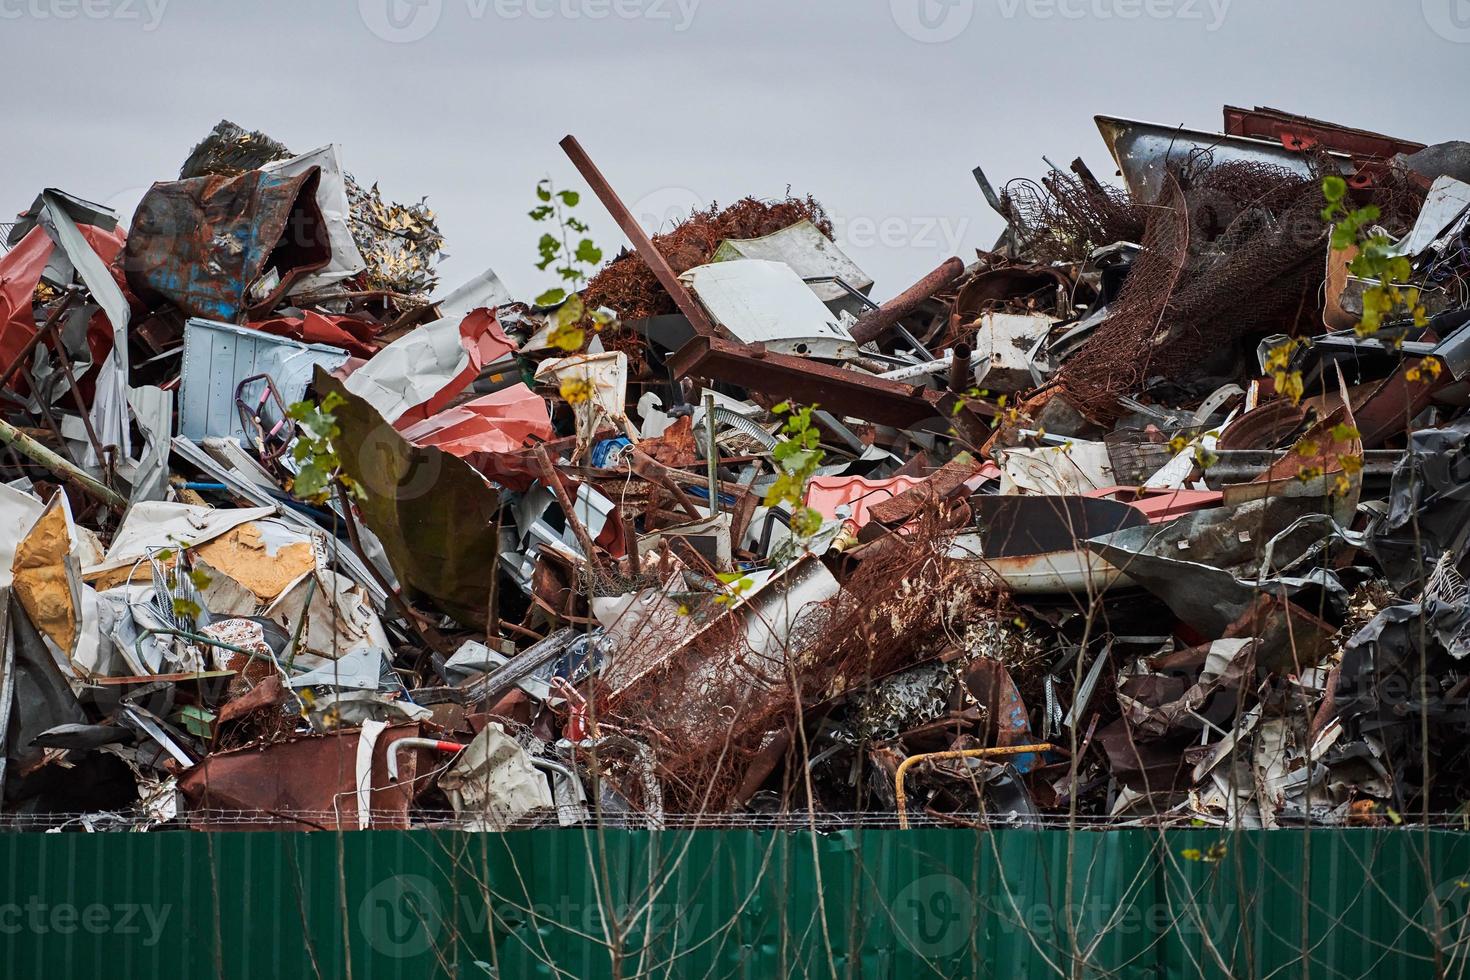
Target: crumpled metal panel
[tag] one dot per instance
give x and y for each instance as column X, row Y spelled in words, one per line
column 435, row 515
column 202, row 243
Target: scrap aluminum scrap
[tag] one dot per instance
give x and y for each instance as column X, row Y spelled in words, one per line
column 1127, row 520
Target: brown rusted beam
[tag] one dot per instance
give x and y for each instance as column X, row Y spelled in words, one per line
column 688, row 305
column 839, row 391
column 651, row 469
column 876, row 323
column 552, row 479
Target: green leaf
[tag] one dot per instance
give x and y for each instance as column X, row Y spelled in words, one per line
column 1334, row 188
column 543, row 190
column 588, row 252
column 569, row 198
column 569, row 312
column 551, row 297
column 806, row 522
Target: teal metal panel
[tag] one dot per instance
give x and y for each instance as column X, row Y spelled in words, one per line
column 740, row 904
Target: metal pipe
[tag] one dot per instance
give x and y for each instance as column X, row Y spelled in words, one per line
column 24, row 444
column 653, row 792
column 630, row 542
column 712, row 453
column 553, row 483
column 878, row 322
column 557, row 770
column 903, row 768
column 959, row 369
column 432, row 744
column 926, row 370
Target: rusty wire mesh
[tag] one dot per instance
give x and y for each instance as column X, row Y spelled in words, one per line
column 1062, row 218
column 709, row 703
column 1231, row 251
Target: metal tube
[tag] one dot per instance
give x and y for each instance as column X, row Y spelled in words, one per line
column 712, row 453
column 903, row 768
column 553, row 483
column 959, row 369
column 10, row 435
column 926, row 370
column 432, row 744
column 875, row 324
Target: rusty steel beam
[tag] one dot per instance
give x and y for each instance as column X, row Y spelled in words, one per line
column 839, row 391
column 688, row 305
column 876, row 323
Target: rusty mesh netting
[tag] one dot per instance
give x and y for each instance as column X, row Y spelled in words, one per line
column 709, row 704
column 1063, row 218
column 1230, row 250
column 627, row 285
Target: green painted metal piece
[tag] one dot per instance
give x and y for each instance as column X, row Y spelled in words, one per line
column 868, row 903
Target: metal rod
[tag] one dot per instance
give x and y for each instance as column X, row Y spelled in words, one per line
column 76, row 398
column 903, row 768
column 683, row 299
column 712, row 453
column 24, row 444
column 876, row 323
column 40, row 335
column 553, row 483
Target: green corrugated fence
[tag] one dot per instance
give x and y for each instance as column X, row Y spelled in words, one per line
column 747, row 903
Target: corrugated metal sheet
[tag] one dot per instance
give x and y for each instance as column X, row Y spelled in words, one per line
column 873, row 903
column 218, row 356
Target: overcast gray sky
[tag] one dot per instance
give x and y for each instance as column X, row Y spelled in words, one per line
column 879, row 108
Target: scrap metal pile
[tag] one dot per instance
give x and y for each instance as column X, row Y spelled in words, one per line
column 1126, row 520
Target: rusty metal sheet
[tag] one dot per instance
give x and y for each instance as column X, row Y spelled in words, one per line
column 303, row 784
column 203, row 243
column 1303, row 132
